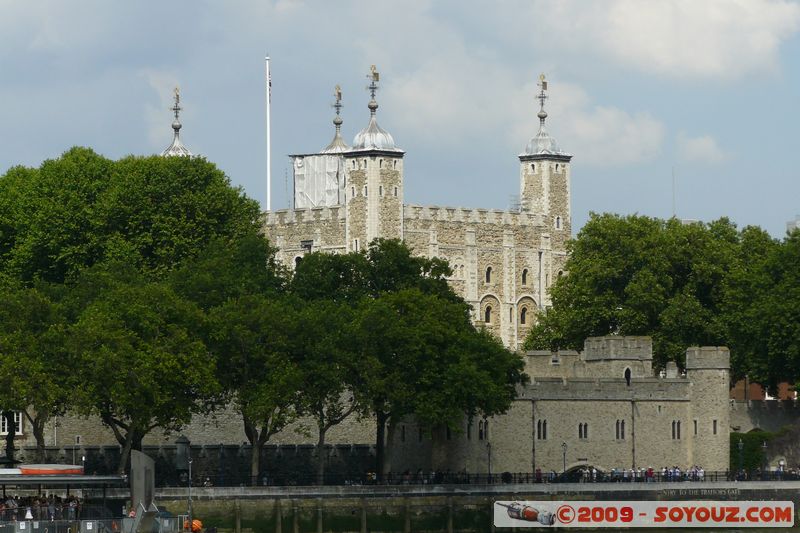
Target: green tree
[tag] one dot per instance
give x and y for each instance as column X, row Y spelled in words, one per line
column 773, row 318
column 34, row 371
column 251, row 327
column 329, row 362
column 642, row 276
column 421, row 356
column 141, row 359
column 83, row 209
column 411, row 345
column 253, row 338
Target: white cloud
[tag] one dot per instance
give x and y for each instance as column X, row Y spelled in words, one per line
column 453, row 106
column 680, row 38
column 702, row 149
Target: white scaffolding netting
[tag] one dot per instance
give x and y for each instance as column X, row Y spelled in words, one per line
column 318, row 181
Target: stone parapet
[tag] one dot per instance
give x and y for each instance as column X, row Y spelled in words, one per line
column 608, row 389
column 618, row 347
column 303, row 216
column 708, row 358
column 480, row 216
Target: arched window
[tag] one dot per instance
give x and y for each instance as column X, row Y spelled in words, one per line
column 523, row 316
column 628, row 376
column 487, row 314
column 380, row 190
column 533, row 167
column 365, row 190
column 510, row 314
column 541, row 430
column 525, row 276
column 480, row 430
column 488, row 274
column 558, row 222
column 395, row 191
column 676, row 429
column 297, row 261
column 353, row 192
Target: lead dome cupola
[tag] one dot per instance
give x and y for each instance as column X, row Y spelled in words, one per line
column 542, row 144
column 337, row 145
column 177, row 148
column 373, row 137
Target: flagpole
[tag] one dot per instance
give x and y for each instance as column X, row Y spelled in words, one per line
column 269, row 144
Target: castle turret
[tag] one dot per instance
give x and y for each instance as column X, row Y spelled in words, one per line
column 708, row 370
column 544, row 175
column 176, row 148
column 374, row 191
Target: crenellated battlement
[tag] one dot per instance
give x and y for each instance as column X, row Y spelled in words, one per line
column 304, row 216
column 708, row 358
column 472, row 215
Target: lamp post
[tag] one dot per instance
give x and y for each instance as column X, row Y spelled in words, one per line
column 564, row 452
column 740, row 445
column 190, row 494
column 764, row 459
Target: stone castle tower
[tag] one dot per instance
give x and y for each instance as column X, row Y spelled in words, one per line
column 374, row 191
column 544, row 174
column 503, row 261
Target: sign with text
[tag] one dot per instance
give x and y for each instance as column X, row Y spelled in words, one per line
column 615, row 514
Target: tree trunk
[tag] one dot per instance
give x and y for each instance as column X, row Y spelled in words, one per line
column 255, row 461
column 126, row 452
column 380, row 440
column 38, row 432
column 321, row 456
column 12, row 430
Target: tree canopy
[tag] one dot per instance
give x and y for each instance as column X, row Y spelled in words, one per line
column 683, row 284
column 83, row 209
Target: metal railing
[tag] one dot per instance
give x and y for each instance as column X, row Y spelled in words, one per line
column 464, row 478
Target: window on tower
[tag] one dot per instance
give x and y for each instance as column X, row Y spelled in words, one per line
column 523, row 316
column 488, row 274
column 525, row 276
column 487, row 314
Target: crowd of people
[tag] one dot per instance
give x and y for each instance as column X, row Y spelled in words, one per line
column 52, row 507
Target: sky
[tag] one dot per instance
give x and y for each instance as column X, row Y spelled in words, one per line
column 638, row 91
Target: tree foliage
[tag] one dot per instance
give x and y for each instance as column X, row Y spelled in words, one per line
column 35, row 377
column 83, row 209
column 683, row 284
column 141, row 361
column 411, row 345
